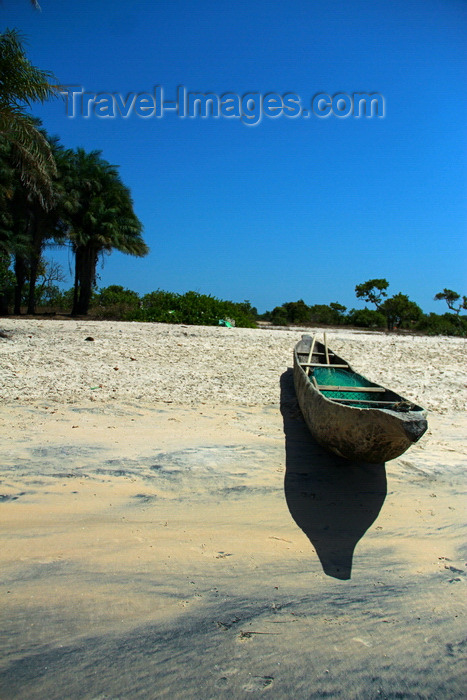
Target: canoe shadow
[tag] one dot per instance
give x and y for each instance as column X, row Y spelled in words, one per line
column 332, row 500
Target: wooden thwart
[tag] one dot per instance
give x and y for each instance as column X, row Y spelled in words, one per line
column 372, row 401
column 325, row 387
column 319, row 364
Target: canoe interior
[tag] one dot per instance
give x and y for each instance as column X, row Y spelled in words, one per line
column 328, row 376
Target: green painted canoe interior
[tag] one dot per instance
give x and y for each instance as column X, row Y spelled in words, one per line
column 339, row 377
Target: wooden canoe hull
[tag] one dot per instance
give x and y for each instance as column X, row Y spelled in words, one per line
column 372, row 435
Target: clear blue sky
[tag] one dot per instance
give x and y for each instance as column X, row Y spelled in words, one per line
column 290, row 208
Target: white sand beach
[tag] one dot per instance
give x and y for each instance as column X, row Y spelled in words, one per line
column 171, row 530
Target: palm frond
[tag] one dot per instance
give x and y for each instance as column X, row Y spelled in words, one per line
column 31, row 154
column 21, row 84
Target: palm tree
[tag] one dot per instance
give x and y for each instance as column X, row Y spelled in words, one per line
column 25, row 226
column 27, row 165
column 100, row 218
column 22, row 84
column 7, row 175
column 46, row 225
column 7, row 241
column 13, row 236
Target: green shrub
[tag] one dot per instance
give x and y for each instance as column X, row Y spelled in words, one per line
column 60, row 300
column 278, row 316
column 366, row 318
column 193, row 308
column 49, row 296
column 114, row 302
column 445, row 324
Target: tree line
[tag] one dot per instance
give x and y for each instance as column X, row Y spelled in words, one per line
column 117, row 303
column 50, row 194
column 393, row 312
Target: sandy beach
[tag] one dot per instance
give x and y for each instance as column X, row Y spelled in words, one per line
column 171, row 530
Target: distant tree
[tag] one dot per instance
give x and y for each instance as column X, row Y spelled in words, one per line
column 248, row 308
column 399, row 311
column 322, row 313
column 451, row 298
column 279, row 316
column 45, row 289
column 338, row 311
column 338, row 308
column 372, row 291
column 297, row 311
column 292, row 312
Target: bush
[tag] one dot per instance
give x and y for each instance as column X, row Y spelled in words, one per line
column 58, row 299
column 115, row 302
column 278, row 316
column 445, row 324
column 366, row 318
column 193, row 308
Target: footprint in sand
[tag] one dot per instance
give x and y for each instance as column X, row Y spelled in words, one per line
column 223, row 681
column 258, row 683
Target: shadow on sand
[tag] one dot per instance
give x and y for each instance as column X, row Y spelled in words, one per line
column 332, row 500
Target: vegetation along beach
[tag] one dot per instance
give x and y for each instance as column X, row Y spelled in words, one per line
column 170, row 529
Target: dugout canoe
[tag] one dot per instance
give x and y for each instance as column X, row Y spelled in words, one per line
column 347, row 413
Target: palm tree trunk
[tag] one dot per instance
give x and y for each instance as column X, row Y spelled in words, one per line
column 85, row 276
column 87, row 280
column 4, row 299
column 3, row 302
column 78, row 265
column 4, row 285
column 38, row 228
column 20, row 273
column 33, row 270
